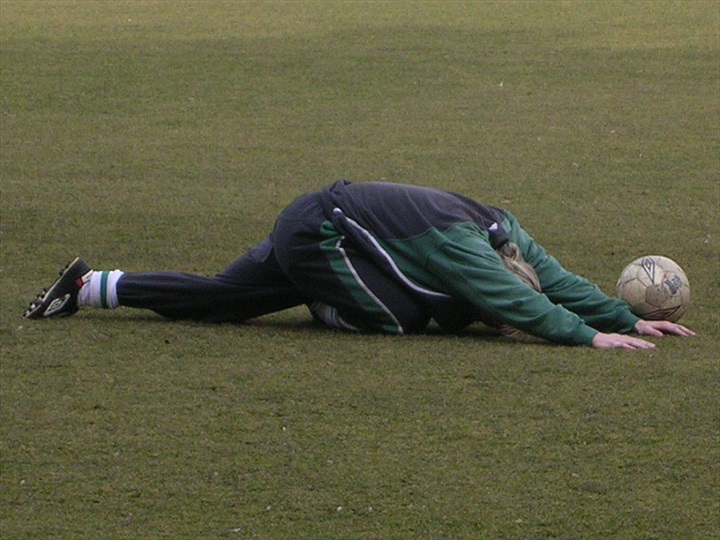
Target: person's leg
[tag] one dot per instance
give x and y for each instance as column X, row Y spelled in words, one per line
column 369, row 298
column 253, row 285
column 453, row 316
column 321, row 264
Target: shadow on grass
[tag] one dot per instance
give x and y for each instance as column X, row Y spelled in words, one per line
column 293, row 323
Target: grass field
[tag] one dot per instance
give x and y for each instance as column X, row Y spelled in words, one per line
column 149, row 135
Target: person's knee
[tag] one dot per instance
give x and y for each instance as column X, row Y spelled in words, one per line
column 413, row 322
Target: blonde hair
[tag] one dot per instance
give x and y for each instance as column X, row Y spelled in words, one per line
column 513, row 260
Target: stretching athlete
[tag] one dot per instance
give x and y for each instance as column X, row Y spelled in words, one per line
column 379, row 257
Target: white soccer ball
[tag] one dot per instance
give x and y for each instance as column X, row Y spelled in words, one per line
column 655, row 287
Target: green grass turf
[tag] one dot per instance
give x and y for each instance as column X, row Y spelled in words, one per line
column 167, row 135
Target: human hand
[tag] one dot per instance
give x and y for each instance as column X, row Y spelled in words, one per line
column 620, row 341
column 644, row 328
column 661, row 328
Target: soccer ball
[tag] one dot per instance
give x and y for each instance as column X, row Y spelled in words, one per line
column 655, row 287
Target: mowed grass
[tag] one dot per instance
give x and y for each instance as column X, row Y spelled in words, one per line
column 167, row 135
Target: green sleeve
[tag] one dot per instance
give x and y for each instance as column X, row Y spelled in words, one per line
column 573, row 292
column 470, row 269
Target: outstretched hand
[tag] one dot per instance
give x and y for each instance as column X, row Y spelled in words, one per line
column 661, row 328
column 644, row 328
column 620, row 341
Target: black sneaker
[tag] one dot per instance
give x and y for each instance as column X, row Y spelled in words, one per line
column 61, row 299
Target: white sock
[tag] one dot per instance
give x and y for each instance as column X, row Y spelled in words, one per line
column 100, row 290
column 329, row 316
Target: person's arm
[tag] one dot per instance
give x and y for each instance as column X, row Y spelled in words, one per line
column 471, row 270
column 573, row 292
column 585, row 299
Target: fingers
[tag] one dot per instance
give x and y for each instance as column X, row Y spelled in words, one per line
column 619, row 341
column 680, row 330
column 674, row 329
column 651, row 331
column 636, row 344
column 646, row 328
column 660, row 328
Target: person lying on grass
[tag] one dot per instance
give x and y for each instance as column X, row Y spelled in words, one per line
column 379, row 257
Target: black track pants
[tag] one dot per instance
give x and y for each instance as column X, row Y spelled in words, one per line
column 252, row 286
column 304, row 259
